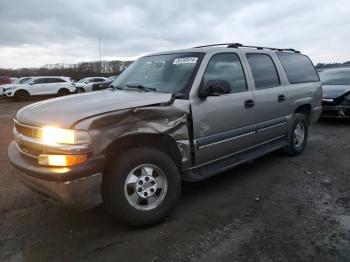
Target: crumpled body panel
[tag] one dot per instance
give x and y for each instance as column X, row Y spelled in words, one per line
column 166, row 119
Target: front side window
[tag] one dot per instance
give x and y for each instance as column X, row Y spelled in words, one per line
column 298, row 68
column 226, row 67
column 40, row 81
column 169, row 73
column 335, row 76
column 264, row 71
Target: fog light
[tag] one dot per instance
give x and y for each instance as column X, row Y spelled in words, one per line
column 61, row 160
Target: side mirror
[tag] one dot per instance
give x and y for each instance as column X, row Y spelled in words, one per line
column 215, row 88
column 31, row 83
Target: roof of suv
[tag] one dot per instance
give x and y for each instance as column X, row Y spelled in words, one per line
column 225, row 46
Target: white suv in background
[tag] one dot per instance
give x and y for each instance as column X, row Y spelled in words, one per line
column 85, row 84
column 19, row 81
column 40, row 86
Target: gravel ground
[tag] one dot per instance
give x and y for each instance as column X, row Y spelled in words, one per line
column 274, row 209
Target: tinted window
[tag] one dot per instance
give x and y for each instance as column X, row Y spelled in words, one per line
column 298, row 68
column 335, row 77
column 41, row 80
column 226, row 67
column 99, row 80
column 263, row 70
column 56, row 80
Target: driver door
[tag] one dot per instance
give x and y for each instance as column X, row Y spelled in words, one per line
column 224, row 124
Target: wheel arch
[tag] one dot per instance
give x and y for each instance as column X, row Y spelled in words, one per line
column 162, row 142
column 304, row 109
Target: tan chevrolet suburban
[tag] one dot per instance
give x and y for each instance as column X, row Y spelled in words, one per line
column 171, row 116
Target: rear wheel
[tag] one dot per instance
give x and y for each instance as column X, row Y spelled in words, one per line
column 63, row 92
column 297, row 136
column 141, row 187
column 80, row 90
column 21, row 95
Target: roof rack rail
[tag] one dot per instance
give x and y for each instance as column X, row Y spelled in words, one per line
column 238, row 45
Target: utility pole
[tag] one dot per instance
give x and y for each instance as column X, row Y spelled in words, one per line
column 99, row 46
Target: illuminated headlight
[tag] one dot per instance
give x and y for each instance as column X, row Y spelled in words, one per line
column 55, row 135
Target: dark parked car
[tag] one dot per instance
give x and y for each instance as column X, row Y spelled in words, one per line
column 336, row 92
column 105, row 84
column 5, row 80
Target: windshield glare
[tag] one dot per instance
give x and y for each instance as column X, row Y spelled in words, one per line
column 335, row 77
column 170, row 73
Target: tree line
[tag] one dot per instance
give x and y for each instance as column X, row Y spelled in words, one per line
column 328, row 65
column 75, row 71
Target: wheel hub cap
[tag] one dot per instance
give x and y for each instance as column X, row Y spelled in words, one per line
column 299, row 135
column 145, row 187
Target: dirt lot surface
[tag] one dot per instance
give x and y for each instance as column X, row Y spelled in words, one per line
column 274, row 209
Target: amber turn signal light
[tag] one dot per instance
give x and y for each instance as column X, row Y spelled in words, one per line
column 61, row 160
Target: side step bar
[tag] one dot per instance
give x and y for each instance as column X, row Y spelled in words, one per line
column 205, row 171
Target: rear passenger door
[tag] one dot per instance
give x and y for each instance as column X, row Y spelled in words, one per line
column 55, row 85
column 223, row 124
column 270, row 97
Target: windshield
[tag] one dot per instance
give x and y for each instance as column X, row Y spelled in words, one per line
column 170, row 73
column 335, row 77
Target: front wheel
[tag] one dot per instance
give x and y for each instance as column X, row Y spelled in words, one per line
column 21, row 95
column 141, row 187
column 297, row 135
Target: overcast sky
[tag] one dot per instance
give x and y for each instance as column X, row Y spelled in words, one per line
column 38, row 32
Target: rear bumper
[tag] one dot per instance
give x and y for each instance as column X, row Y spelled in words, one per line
column 77, row 187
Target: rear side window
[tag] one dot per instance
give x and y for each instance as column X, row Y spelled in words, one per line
column 226, row 67
column 298, row 68
column 263, row 70
column 56, row 80
column 41, row 81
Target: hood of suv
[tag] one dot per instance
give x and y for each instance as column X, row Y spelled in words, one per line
column 65, row 111
column 334, row 91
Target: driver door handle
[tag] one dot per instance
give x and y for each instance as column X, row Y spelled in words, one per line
column 248, row 103
column 281, row 98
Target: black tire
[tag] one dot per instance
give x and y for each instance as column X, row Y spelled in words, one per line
column 295, row 147
column 21, row 95
column 114, row 189
column 63, row 92
column 80, row 90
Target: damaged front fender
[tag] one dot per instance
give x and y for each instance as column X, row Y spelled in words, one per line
column 168, row 119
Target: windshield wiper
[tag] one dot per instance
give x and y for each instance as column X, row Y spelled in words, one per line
column 143, row 88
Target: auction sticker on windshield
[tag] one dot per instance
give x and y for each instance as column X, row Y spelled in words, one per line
column 185, row 60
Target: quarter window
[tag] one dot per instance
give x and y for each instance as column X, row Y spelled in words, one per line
column 263, row 70
column 299, row 68
column 226, row 67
